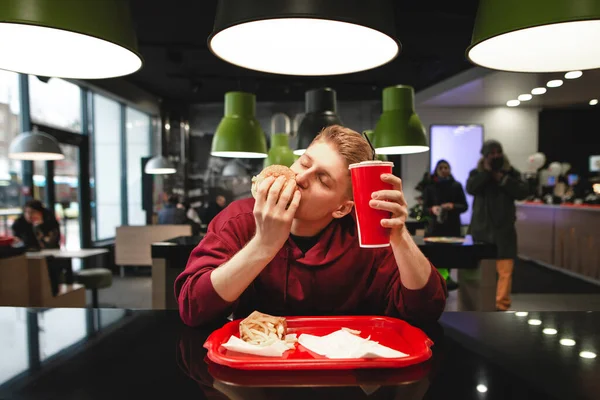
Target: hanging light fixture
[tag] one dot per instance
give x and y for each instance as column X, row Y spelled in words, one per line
column 399, row 129
column 160, row 165
column 239, row 134
column 320, row 105
column 536, row 35
column 35, row 146
column 371, row 135
column 280, row 152
column 68, row 38
column 305, row 37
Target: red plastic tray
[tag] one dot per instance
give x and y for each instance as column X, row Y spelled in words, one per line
column 391, row 332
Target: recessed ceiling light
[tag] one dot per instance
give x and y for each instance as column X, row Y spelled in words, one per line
column 593, row 102
column 573, row 75
column 539, row 90
column 525, row 97
column 567, row 342
column 550, row 331
column 554, row 83
column 513, row 103
column 481, row 388
column 521, row 313
column 534, row 322
column 587, row 354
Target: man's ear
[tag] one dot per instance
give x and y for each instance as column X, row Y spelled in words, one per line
column 344, row 209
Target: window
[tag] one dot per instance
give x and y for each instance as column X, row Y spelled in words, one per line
column 13, row 346
column 107, row 168
column 56, row 103
column 10, row 170
column 138, row 146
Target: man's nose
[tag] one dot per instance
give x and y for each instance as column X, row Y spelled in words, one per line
column 302, row 180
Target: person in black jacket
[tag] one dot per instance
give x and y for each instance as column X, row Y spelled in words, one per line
column 37, row 228
column 444, row 199
column 495, row 185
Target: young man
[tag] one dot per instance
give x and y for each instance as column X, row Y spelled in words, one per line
column 305, row 259
column 495, row 185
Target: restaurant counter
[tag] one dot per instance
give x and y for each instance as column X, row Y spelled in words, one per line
column 474, row 261
column 561, row 237
column 151, row 354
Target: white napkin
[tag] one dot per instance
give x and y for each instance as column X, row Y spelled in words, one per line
column 275, row 349
column 343, row 344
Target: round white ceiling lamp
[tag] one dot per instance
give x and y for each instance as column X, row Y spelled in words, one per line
column 525, row 97
column 68, row 39
column 35, row 146
column 310, row 38
column 538, row 90
column 513, row 103
column 536, row 35
column 554, row 83
column 593, row 102
column 573, row 75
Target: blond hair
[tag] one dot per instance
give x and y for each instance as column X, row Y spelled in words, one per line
column 351, row 145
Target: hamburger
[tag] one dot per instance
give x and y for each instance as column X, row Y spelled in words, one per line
column 272, row 170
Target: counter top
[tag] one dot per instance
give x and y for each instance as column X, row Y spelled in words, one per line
column 151, row 354
column 584, row 207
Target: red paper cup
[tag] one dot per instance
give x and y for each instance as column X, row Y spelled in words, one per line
column 366, row 179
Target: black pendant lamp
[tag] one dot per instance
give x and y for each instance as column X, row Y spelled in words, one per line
column 305, row 37
column 79, row 39
column 320, row 105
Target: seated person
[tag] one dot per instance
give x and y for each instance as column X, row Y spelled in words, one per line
column 170, row 214
column 305, row 259
column 37, row 228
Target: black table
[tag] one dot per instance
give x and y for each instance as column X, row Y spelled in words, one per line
column 150, row 354
column 475, row 263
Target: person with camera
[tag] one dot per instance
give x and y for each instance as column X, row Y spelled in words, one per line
column 495, row 185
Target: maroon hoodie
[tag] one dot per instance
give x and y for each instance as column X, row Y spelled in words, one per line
column 334, row 277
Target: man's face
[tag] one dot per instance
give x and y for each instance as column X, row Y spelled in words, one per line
column 324, row 181
column 495, row 153
column 221, row 201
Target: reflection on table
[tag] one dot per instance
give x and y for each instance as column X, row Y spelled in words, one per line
column 150, row 354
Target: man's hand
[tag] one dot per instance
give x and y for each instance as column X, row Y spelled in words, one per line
column 448, row 206
column 394, row 202
column 273, row 220
column 436, row 210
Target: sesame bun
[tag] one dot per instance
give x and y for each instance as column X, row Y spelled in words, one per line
column 271, row 170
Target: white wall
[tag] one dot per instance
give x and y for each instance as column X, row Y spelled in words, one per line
column 515, row 128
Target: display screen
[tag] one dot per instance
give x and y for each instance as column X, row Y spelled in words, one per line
column 460, row 145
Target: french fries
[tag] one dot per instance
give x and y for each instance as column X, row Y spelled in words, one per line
column 262, row 329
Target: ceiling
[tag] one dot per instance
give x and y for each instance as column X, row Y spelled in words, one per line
column 479, row 87
column 178, row 66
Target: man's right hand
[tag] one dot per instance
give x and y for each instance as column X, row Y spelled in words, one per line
column 273, row 220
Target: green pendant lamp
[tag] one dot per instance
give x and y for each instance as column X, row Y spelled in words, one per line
column 280, row 152
column 399, row 129
column 371, row 135
column 68, row 38
column 536, row 35
column 239, row 134
column 35, row 146
column 305, row 37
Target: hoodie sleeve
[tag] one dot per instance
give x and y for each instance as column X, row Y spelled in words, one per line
column 198, row 301
column 421, row 305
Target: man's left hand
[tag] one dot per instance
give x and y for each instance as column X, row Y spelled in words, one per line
column 394, row 202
